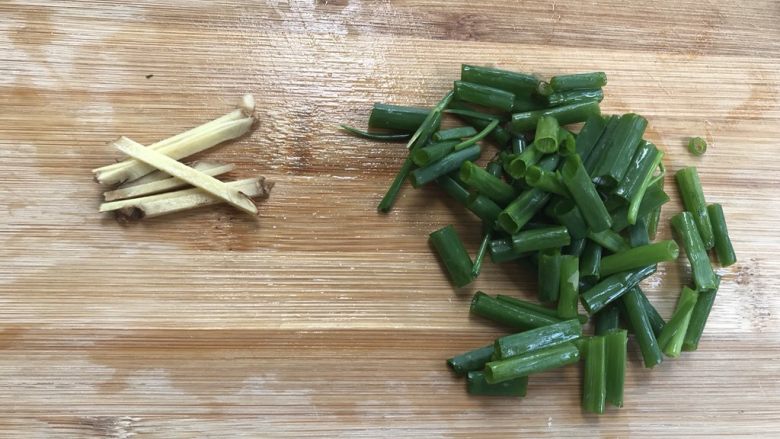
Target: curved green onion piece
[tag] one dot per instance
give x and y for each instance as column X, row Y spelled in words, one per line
column 453, row 255
column 532, row 362
column 514, row 82
column 672, row 336
column 610, row 240
column 567, row 144
column 720, row 232
column 501, row 250
column 697, row 146
column 520, row 211
column 615, row 159
column 480, row 205
column 424, row 131
column 386, row 137
column 699, row 315
column 547, row 181
column 578, row 81
column 483, row 248
column 612, row 287
column 487, row 184
column 432, row 153
column 589, row 136
column 481, row 135
column 449, row 163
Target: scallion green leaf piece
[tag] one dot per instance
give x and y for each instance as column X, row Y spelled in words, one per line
column 612, row 287
column 584, row 194
column 507, row 314
column 574, row 96
column 518, row 83
column 569, row 287
column 522, row 209
column 547, row 181
column 648, row 345
column 432, row 152
column 610, row 240
column 594, row 388
column 532, row 362
column 538, row 338
column 638, row 257
column 615, row 345
column 615, row 159
column 471, row 360
column 456, row 133
column 697, row 145
column 540, row 239
column 565, row 114
column 397, row 117
column 701, row 269
column 384, row 137
column 485, row 96
column 479, row 136
column 673, row 334
column 481, row 180
column 549, row 274
column 449, row 163
column 590, row 261
column 578, row 81
column 693, row 199
column 453, row 255
column 589, row 135
column 699, row 315
column 607, row 319
column 720, row 232
column 546, row 137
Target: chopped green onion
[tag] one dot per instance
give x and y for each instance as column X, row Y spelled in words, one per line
column 594, row 388
column 584, row 194
column 483, row 95
column 479, row 136
column 480, row 205
column 514, row 82
column 476, row 384
column 589, row 135
column 609, row 240
column 574, row 97
column 546, row 138
column 471, row 360
column 568, row 287
column 532, row 362
column 549, row 270
column 673, row 334
column 701, row 269
column 449, row 163
column 456, row 133
column 507, row 314
column 538, row 338
column 638, row 257
column 648, row 345
column 487, row 184
column 612, row 287
column 607, row 319
column 540, row 239
column 396, row 117
column 453, row 255
column 432, row 152
column 699, row 316
column 385, row 137
column 697, row 146
column 720, row 233
column 578, row 81
column 693, row 199
column 565, row 114
column 615, row 346
column 615, row 159
column 590, row 261
column 547, row 181
column 520, row 211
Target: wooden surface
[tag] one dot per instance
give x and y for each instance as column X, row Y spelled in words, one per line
column 323, row 318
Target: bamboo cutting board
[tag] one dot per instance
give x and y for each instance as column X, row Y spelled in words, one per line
column 322, row 317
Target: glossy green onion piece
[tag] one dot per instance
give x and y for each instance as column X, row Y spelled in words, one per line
column 610, row 240
column 449, row 163
column 612, row 287
column 433, row 152
column 656, row 321
column 520, row 211
column 589, row 135
column 720, row 232
column 594, row 388
column 654, row 198
column 476, row 384
column 590, row 261
column 598, row 151
column 481, row 135
column 424, row 131
column 528, row 103
column 514, row 82
column 565, row 114
column 519, row 164
column 643, row 332
column 535, row 307
column 653, row 218
column 483, row 95
column 638, row 177
column 480, row 205
column 546, row 138
column 574, row 96
column 481, row 180
column 456, row 133
column 540, row 239
column 384, row 137
column 701, row 269
column 699, row 316
column 638, row 257
column 584, row 194
column 697, row 145
column 502, row 250
column 622, row 146
column 549, row 274
column 480, row 121
column 547, row 181
column 507, row 314
column 616, row 343
column 608, row 319
column 567, row 144
column 538, row 338
column 693, row 199
column 532, row 362
column 569, row 287
column 396, row 117
column 671, row 338
column 578, row 81
column 471, row 360
column 453, row 255
column 635, row 203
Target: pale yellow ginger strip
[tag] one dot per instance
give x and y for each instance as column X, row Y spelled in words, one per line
column 177, row 169
column 245, row 109
column 171, row 202
column 179, row 150
column 209, row 168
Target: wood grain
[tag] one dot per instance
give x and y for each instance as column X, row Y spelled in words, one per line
column 324, row 318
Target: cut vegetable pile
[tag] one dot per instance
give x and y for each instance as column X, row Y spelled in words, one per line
column 145, row 180
column 579, row 206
